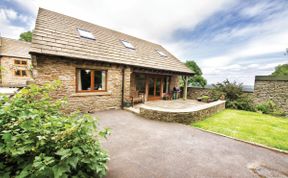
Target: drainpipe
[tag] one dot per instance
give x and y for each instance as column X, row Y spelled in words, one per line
column 123, row 86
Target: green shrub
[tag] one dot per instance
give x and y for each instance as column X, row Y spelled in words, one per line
column 269, row 107
column 234, row 96
column 242, row 103
column 205, row 98
column 38, row 140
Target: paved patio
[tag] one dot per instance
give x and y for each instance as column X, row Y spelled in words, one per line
column 146, row 148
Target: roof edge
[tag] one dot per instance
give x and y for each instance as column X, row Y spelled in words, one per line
column 69, row 57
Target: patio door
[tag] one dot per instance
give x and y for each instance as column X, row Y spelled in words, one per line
column 155, row 87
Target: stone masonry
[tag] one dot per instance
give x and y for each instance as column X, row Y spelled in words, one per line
column 48, row 68
column 272, row 88
column 185, row 116
column 8, row 68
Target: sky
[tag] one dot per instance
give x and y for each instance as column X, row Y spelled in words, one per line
column 229, row 39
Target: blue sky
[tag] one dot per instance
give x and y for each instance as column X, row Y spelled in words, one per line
column 232, row 39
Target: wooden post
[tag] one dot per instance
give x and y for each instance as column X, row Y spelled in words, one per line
column 185, row 87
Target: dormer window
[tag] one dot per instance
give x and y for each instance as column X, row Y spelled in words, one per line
column 127, row 44
column 161, row 53
column 86, row 34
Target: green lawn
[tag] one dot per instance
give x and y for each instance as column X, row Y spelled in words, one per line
column 250, row 126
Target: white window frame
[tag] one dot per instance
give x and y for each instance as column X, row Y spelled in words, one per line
column 161, row 53
column 127, row 44
column 86, row 34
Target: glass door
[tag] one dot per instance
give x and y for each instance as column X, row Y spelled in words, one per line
column 154, row 87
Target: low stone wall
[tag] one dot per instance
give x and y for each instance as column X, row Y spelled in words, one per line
column 184, row 116
column 194, row 93
column 272, row 88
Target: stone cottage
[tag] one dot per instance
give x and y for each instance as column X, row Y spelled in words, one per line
column 15, row 62
column 100, row 68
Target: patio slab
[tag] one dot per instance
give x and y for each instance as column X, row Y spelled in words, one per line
column 144, row 148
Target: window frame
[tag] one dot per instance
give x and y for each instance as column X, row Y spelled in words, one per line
column 127, row 44
column 91, row 80
column 21, row 73
column 161, row 53
column 90, row 36
column 20, row 62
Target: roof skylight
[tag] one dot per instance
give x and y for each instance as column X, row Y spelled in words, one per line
column 161, row 53
column 127, row 44
column 86, row 34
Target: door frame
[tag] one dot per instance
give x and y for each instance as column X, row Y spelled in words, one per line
column 154, row 77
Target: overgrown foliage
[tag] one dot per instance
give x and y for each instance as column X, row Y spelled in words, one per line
column 269, row 107
column 197, row 79
column 234, row 96
column 38, row 140
column 281, row 70
column 26, row 36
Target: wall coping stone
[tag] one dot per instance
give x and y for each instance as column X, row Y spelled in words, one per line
column 192, row 109
column 270, row 78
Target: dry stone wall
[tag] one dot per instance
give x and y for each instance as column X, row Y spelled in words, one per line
column 272, row 88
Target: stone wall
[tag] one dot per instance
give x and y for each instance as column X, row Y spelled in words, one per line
column 272, row 88
column 47, row 68
column 185, row 117
column 8, row 77
column 194, row 93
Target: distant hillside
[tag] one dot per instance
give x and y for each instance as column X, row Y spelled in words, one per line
column 246, row 88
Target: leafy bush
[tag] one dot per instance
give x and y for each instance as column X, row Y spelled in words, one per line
column 269, row 107
column 205, row 98
column 242, row 103
column 235, row 98
column 38, row 140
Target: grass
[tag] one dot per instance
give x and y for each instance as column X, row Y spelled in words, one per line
column 249, row 126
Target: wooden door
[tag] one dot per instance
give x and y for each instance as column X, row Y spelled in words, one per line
column 155, row 87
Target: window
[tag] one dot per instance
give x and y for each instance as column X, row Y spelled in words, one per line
column 20, row 62
column 17, row 62
column 21, row 73
column 91, row 80
column 127, row 44
column 161, row 53
column 86, row 34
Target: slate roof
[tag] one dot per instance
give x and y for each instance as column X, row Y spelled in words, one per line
column 14, row 48
column 57, row 34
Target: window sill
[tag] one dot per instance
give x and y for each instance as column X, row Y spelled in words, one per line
column 93, row 93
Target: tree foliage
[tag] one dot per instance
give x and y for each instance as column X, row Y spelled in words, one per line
column 234, row 96
column 38, row 140
column 281, row 70
column 197, row 79
column 26, row 36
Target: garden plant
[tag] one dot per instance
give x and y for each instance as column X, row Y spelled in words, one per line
column 37, row 139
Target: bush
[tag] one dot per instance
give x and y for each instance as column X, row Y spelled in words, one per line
column 242, row 103
column 235, row 98
column 38, row 140
column 205, row 98
column 269, row 107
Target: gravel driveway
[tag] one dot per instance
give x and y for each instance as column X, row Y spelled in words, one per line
column 146, row 148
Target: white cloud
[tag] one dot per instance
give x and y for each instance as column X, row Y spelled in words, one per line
column 158, row 20
column 149, row 19
column 8, row 14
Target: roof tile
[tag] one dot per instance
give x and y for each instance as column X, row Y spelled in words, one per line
column 56, row 34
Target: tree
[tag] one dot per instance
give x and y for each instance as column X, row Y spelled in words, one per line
column 26, row 36
column 281, row 70
column 197, row 79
